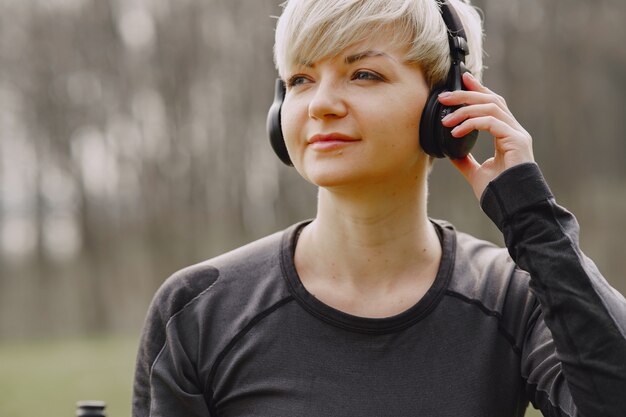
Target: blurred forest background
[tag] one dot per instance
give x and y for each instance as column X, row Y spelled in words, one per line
column 132, row 143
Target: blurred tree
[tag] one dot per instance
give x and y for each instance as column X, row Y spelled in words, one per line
column 132, row 143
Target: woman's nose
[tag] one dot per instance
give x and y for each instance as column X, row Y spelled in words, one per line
column 328, row 101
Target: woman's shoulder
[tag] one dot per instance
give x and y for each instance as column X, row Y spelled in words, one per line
column 481, row 257
column 485, row 275
column 236, row 274
column 473, row 257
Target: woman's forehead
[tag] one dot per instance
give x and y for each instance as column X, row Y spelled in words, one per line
column 382, row 44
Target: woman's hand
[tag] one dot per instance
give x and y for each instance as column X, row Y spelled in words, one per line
column 485, row 110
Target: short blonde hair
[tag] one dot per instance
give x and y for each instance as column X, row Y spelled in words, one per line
column 311, row 30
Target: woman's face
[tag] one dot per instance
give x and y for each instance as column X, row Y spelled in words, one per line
column 354, row 119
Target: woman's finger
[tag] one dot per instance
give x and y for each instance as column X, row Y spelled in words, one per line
column 478, row 110
column 497, row 128
column 476, row 94
column 468, row 98
column 472, row 84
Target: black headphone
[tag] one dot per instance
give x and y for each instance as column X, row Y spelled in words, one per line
column 435, row 139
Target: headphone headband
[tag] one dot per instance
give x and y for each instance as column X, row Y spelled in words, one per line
column 457, row 41
column 452, row 20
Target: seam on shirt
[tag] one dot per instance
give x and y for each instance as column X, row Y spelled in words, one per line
column 477, row 303
column 253, row 322
column 183, row 308
column 167, row 324
column 156, row 359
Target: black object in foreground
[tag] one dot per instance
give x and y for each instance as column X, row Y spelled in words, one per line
column 90, row 409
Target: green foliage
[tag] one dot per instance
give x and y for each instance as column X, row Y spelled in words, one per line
column 49, row 377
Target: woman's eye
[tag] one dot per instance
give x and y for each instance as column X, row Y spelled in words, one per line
column 366, row 75
column 296, row 80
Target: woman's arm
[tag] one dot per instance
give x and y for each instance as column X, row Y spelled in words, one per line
column 586, row 318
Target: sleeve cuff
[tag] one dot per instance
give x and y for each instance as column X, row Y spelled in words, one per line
column 514, row 190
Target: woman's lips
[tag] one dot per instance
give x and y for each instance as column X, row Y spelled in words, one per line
column 330, row 141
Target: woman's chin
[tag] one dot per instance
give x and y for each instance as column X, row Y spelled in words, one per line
column 345, row 178
column 348, row 172
column 333, row 180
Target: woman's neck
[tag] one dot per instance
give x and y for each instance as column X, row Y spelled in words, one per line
column 371, row 240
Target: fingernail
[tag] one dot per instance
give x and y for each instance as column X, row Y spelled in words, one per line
column 469, row 74
column 448, row 117
column 445, row 94
column 455, row 131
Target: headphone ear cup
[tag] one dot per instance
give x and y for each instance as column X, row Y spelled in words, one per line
column 453, row 147
column 436, row 139
column 274, row 129
column 430, row 126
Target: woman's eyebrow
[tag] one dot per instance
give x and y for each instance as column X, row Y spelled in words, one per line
column 350, row 59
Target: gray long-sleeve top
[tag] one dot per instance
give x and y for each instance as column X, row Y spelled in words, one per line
column 239, row 335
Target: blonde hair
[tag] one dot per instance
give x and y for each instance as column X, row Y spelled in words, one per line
column 311, row 30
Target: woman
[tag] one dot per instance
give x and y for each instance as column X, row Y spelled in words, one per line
column 372, row 308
